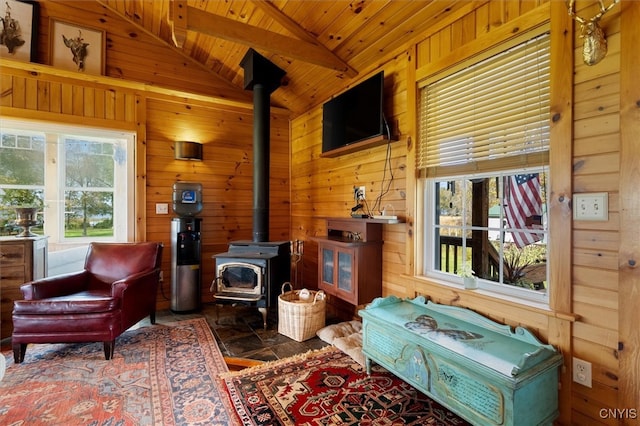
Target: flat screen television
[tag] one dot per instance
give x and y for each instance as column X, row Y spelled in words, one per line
column 355, row 115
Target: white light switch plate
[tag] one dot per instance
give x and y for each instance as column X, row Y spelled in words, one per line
column 162, row 208
column 591, row 206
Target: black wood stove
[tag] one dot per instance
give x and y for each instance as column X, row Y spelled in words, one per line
column 252, row 272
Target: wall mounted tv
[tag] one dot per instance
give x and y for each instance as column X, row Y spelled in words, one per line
column 354, row 119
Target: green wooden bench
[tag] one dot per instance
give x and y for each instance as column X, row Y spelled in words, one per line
column 485, row 372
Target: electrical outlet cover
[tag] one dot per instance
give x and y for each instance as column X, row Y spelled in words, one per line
column 582, row 372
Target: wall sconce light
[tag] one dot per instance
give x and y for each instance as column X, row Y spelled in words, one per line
column 186, row 150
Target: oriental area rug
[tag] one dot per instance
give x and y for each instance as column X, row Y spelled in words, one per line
column 327, row 387
column 159, row 375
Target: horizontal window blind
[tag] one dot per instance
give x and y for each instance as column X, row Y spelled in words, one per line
column 494, row 109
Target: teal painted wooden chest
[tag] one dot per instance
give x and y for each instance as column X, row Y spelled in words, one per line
column 487, row 373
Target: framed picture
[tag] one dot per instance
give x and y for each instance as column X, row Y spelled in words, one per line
column 77, row 47
column 19, row 30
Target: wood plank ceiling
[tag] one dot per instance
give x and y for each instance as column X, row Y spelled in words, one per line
column 322, row 45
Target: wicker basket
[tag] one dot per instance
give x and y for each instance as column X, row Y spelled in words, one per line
column 300, row 313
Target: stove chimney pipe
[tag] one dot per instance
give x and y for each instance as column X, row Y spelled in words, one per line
column 263, row 77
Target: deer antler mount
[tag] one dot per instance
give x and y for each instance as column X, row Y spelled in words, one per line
column 594, row 47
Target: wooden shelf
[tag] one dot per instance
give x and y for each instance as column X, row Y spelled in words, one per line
column 364, row 144
column 368, row 220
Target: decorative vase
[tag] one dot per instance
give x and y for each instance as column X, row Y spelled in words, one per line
column 470, row 283
column 26, row 218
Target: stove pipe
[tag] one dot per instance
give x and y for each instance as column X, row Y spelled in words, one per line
column 263, row 77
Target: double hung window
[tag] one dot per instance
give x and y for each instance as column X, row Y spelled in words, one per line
column 80, row 179
column 483, row 164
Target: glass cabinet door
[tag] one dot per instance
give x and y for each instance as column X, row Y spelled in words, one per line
column 345, row 265
column 327, row 266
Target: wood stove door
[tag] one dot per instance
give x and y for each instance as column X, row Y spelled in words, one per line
column 240, row 278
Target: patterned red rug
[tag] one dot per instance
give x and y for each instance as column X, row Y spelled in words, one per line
column 327, row 387
column 159, row 375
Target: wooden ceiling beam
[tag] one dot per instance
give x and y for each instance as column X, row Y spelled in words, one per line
column 225, row 82
column 178, row 21
column 218, row 26
column 289, row 24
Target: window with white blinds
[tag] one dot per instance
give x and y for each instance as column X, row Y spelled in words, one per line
column 495, row 112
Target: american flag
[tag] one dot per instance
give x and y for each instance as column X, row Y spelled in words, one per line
column 523, row 207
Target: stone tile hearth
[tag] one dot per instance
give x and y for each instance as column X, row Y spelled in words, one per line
column 240, row 333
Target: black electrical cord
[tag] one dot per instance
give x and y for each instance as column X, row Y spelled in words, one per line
column 366, row 207
column 387, row 162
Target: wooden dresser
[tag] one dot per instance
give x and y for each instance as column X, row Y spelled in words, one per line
column 21, row 260
column 485, row 372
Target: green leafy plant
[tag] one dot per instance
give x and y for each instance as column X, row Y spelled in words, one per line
column 516, row 262
column 465, row 271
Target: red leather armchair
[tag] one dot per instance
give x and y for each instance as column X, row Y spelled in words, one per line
column 116, row 289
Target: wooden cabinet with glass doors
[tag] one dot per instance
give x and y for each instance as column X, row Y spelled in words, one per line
column 350, row 260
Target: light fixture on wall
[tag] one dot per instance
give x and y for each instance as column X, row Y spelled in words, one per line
column 186, row 150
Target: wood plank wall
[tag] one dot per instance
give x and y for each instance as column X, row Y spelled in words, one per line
column 596, row 164
column 322, row 187
column 65, row 100
column 587, row 323
column 41, row 93
column 131, row 53
column 218, row 116
column 226, row 174
column 629, row 208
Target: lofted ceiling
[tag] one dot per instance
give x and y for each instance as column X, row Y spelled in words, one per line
column 322, row 45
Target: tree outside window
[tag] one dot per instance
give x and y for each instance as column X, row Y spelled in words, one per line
column 21, row 178
column 89, row 182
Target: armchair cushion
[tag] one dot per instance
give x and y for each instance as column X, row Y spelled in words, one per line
column 84, row 302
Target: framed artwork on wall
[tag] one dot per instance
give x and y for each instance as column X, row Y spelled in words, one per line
column 77, row 47
column 19, row 30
